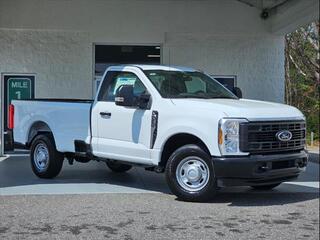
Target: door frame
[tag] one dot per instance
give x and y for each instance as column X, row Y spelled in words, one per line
column 2, row 127
column 118, row 44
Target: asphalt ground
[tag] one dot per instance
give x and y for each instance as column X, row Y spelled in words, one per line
column 314, row 154
column 87, row 201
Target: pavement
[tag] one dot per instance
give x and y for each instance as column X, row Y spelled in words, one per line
column 313, row 154
column 88, row 201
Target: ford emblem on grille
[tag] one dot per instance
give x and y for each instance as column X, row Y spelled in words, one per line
column 284, row 135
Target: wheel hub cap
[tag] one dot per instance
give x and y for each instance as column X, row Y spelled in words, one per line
column 41, row 157
column 192, row 174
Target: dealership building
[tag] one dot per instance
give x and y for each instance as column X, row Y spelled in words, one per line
column 60, row 48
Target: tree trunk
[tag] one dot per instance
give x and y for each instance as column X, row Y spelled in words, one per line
column 287, row 74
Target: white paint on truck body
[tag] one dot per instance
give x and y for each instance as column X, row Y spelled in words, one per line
column 67, row 121
column 126, row 134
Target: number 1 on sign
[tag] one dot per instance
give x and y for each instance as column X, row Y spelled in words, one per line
column 18, row 93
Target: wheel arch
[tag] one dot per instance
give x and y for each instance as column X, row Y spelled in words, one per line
column 37, row 128
column 176, row 141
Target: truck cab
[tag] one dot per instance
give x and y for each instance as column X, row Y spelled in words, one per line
column 168, row 119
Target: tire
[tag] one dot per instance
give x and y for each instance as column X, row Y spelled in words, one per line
column 197, row 186
column 266, row 187
column 46, row 161
column 118, row 167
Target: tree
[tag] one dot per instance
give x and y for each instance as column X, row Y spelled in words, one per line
column 302, row 60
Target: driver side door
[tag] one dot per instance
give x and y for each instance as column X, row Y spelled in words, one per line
column 123, row 133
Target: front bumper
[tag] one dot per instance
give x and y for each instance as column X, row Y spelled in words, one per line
column 254, row 170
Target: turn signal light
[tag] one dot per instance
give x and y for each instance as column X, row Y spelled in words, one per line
column 220, row 136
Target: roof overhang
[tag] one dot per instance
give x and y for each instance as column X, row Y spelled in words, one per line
column 285, row 16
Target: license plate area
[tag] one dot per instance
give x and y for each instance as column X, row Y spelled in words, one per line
column 283, row 164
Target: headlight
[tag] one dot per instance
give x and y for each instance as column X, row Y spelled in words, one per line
column 228, row 137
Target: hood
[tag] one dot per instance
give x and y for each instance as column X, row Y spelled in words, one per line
column 242, row 108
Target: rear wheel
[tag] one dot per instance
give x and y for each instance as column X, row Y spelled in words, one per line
column 266, row 187
column 190, row 174
column 118, row 167
column 46, row 161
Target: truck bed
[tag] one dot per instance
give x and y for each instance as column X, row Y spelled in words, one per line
column 58, row 100
column 68, row 119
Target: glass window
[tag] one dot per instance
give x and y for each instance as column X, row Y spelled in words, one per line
column 115, row 80
column 229, row 81
column 195, row 85
column 184, row 84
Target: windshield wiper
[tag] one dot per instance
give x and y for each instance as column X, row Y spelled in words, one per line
column 186, row 95
column 223, row 97
column 191, row 96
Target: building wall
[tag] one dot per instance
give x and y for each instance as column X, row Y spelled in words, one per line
column 62, row 61
column 258, row 62
column 54, row 39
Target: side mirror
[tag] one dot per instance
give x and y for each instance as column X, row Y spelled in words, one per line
column 143, row 101
column 124, row 96
column 237, row 91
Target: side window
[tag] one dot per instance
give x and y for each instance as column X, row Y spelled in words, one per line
column 117, row 79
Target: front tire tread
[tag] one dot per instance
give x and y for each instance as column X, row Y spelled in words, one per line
column 207, row 192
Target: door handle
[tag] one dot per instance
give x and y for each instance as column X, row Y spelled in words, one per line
column 108, row 114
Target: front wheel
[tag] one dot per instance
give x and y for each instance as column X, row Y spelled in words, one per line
column 46, row 161
column 190, row 174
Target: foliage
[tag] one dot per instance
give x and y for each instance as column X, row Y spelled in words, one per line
column 302, row 73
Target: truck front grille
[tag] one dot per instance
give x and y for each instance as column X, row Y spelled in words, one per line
column 261, row 137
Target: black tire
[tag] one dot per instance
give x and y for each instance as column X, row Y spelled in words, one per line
column 181, row 156
column 118, row 167
column 54, row 164
column 266, row 187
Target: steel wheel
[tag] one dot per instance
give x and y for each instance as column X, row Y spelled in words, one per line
column 46, row 161
column 41, row 157
column 192, row 174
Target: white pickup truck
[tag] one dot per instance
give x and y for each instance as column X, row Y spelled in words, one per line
column 167, row 119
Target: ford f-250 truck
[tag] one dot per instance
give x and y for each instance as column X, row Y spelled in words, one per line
column 168, row 119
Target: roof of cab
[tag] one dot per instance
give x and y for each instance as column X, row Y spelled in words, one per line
column 158, row 67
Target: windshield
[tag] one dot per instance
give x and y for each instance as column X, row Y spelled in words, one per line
column 179, row 84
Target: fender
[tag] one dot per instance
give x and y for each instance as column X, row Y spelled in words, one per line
column 164, row 136
column 33, row 121
column 35, row 128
